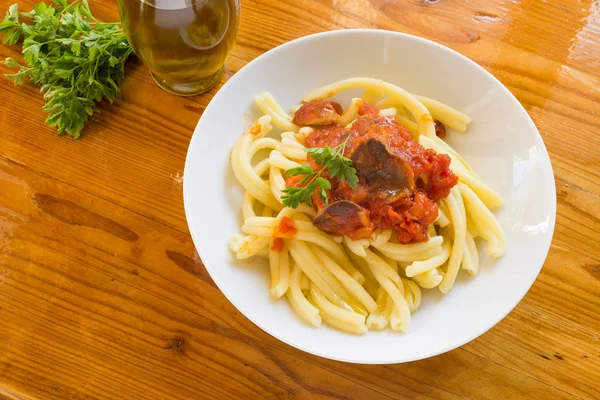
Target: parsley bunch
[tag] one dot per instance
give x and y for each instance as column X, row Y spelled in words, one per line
column 76, row 59
column 329, row 159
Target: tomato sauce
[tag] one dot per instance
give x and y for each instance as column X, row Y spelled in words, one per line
column 408, row 212
column 277, row 244
column 367, row 109
column 285, row 229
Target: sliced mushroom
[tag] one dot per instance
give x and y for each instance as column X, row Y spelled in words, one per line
column 344, row 217
column 379, row 168
column 440, row 129
column 318, row 112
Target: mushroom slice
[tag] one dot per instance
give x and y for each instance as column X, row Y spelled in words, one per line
column 344, row 217
column 317, row 113
column 379, row 168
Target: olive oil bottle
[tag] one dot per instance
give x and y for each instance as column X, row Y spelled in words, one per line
column 184, row 43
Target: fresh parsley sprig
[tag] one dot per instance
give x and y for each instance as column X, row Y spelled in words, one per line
column 329, row 159
column 77, row 59
column 10, row 26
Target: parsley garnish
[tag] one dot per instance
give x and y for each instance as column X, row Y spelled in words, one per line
column 77, row 59
column 333, row 161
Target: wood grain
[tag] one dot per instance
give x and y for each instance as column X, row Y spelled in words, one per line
column 102, row 295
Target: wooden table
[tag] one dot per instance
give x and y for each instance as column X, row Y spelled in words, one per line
column 103, row 297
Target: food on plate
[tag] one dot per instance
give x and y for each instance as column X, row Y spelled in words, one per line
column 358, row 209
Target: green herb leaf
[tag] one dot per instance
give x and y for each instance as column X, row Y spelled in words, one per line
column 12, row 14
column 323, row 183
column 77, row 60
column 76, row 48
column 332, row 160
column 341, row 168
column 10, row 26
column 303, row 170
column 10, row 62
column 295, row 195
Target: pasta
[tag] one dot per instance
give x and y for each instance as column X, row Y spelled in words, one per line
column 371, row 277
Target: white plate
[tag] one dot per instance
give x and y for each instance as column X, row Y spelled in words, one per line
column 502, row 144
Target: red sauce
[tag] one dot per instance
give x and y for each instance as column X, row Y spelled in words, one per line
column 330, row 135
column 277, row 244
column 408, row 215
column 293, row 181
column 367, row 109
column 286, row 229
